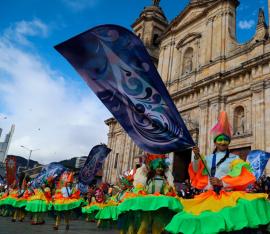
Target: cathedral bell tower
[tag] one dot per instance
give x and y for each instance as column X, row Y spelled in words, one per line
column 151, row 23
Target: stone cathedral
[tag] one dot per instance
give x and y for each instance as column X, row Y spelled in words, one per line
column 205, row 70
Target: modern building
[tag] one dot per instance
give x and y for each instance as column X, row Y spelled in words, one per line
column 4, row 146
column 205, row 70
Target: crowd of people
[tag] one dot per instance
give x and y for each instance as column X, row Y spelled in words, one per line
column 20, row 198
column 221, row 188
column 61, row 198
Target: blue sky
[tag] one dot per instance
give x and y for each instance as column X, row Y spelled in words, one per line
column 39, row 91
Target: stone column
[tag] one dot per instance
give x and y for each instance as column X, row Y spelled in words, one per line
column 105, row 173
column 129, row 154
column 166, row 64
column 161, row 64
column 209, row 46
column 116, row 150
column 204, row 107
column 223, row 32
column 267, row 121
column 126, row 151
column 197, row 53
column 217, row 35
column 258, row 115
column 180, row 61
column 111, row 141
column 122, row 145
column 267, row 115
column 132, row 154
column 171, row 61
column 175, row 68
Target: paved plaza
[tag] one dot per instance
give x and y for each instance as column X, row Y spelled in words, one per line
column 76, row 227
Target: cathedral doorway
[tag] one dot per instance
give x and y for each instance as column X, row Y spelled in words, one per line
column 181, row 160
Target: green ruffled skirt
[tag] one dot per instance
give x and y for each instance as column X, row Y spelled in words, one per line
column 133, row 211
column 20, row 203
column 246, row 214
column 67, row 205
column 37, row 206
column 8, row 201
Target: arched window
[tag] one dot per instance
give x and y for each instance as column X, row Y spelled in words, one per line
column 187, row 61
column 239, row 121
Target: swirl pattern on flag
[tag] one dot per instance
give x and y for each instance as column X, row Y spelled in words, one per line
column 258, row 160
column 93, row 164
column 117, row 67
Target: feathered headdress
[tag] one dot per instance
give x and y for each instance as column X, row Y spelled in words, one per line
column 222, row 128
column 66, row 177
column 154, row 161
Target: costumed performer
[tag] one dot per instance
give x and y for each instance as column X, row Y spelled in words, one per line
column 224, row 205
column 21, row 197
column 5, row 208
column 38, row 203
column 97, row 198
column 152, row 202
column 66, row 199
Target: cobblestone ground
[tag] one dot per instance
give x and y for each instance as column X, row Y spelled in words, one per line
column 76, row 227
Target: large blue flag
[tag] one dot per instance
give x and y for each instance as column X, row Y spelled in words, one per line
column 258, row 160
column 117, row 67
column 93, row 164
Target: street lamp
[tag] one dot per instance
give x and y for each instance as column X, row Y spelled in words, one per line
column 30, row 153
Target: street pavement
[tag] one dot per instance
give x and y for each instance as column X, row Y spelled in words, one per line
column 76, row 227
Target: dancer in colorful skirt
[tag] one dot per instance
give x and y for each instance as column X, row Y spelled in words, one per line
column 152, row 203
column 156, row 182
column 21, row 198
column 66, row 199
column 108, row 213
column 97, row 201
column 224, row 205
column 5, row 209
column 38, row 204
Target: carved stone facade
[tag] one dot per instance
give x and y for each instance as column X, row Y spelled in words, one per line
column 205, row 70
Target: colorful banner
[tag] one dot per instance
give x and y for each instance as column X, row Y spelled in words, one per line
column 50, row 172
column 93, row 164
column 11, row 169
column 117, row 67
column 258, row 160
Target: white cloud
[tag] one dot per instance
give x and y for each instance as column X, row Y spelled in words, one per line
column 79, row 5
column 19, row 32
column 243, row 7
column 246, row 24
column 255, row 12
column 50, row 112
